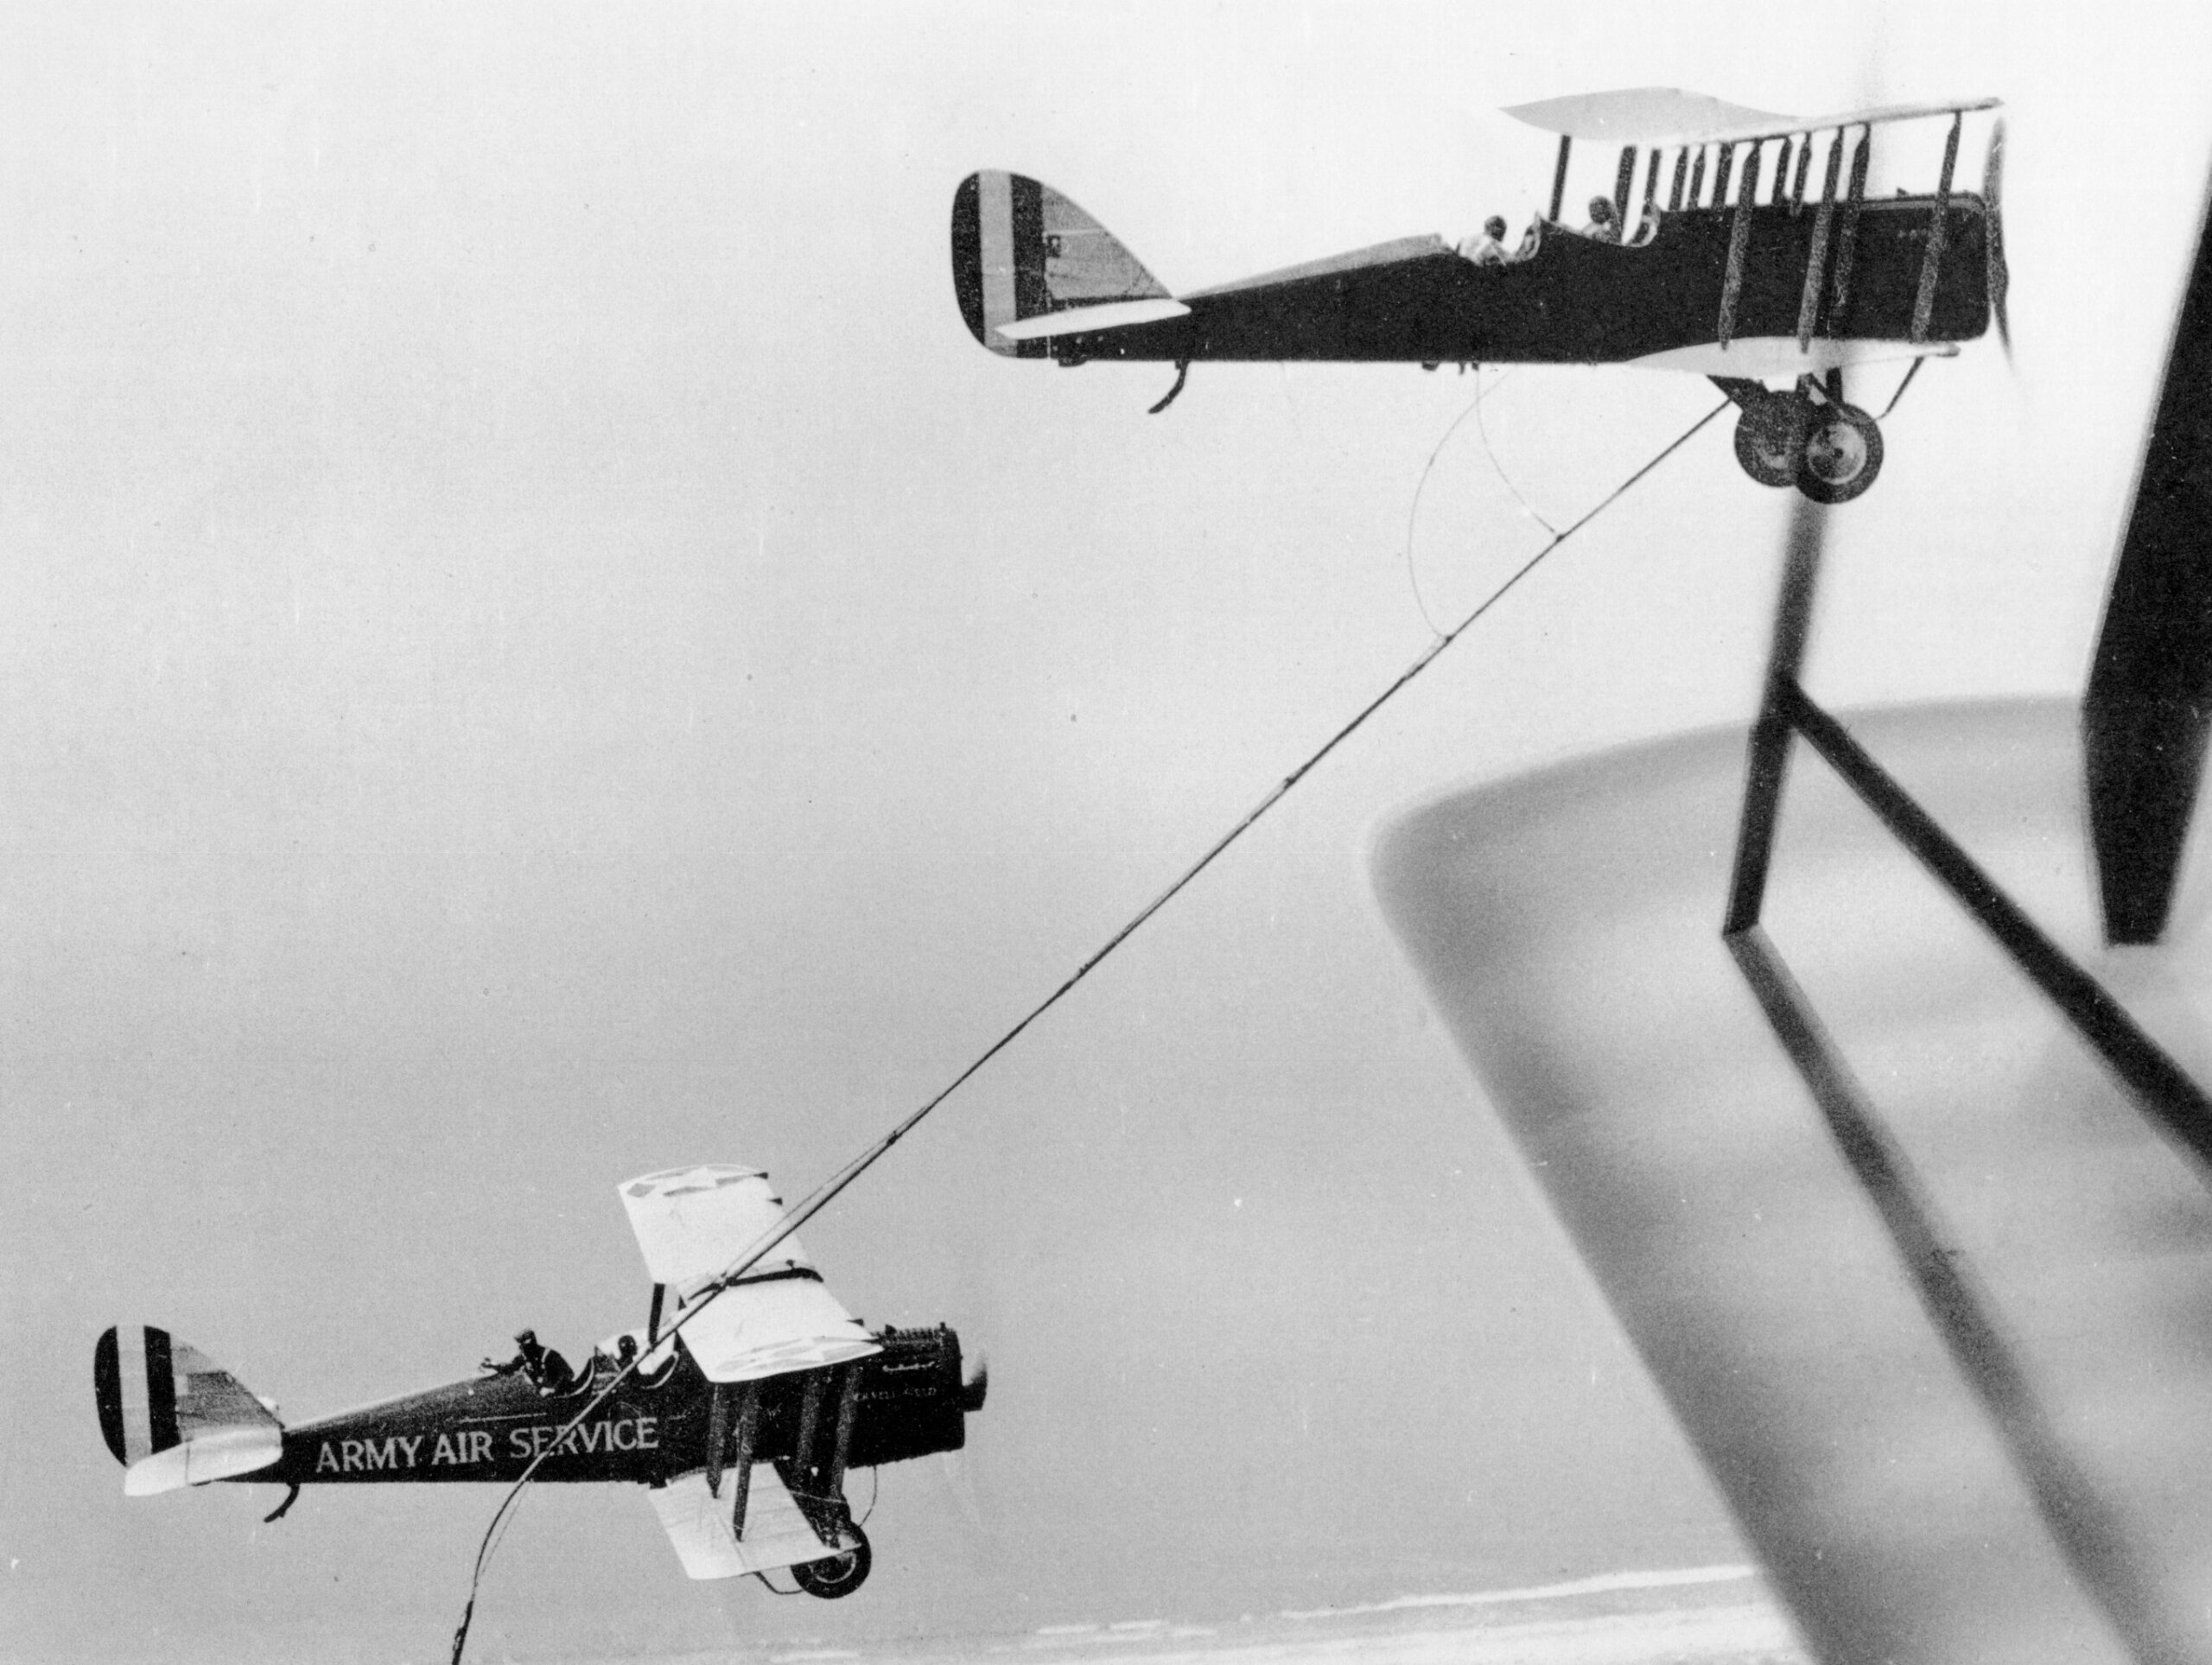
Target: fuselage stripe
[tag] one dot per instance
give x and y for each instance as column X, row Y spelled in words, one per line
column 994, row 241
column 130, row 1390
column 161, row 1390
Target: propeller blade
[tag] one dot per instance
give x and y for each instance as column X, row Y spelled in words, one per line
column 2145, row 716
column 2000, row 275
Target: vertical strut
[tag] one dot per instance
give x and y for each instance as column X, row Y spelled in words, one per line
column 1739, row 239
column 717, row 1436
column 848, row 1406
column 748, row 1438
column 809, row 1423
column 1809, row 303
column 1939, row 226
column 1558, row 178
column 1697, row 178
column 1682, row 173
column 1847, row 242
column 1769, row 748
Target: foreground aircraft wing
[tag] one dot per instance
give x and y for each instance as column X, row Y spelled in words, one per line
column 1567, row 926
column 692, row 1225
column 698, row 1525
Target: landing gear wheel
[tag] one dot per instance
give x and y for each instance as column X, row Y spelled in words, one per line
column 840, row 1575
column 1771, row 439
column 1843, row 452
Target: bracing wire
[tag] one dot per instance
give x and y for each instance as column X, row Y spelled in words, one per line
column 820, row 1198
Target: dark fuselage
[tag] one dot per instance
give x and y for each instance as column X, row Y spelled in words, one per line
column 1576, row 300
column 909, row 1403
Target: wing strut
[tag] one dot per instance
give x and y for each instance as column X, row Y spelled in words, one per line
column 2148, row 705
column 717, row 1436
column 2161, row 1089
column 1847, row 240
column 748, row 1433
column 1809, row 303
column 2081, row 1523
column 1739, row 239
column 1939, row 226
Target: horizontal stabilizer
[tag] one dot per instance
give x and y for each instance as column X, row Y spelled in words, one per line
column 698, row 1524
column 1077, row 321
column 172, row 1416
column 222, row 1455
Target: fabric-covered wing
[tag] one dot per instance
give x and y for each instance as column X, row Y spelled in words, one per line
column 693, row 1223
column 1567, row 926
column 1667, row 115
column 698, row 1525
column 772, row 1327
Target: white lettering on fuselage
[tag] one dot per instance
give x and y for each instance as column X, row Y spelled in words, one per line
column 626, row 1434
column 403, row 1451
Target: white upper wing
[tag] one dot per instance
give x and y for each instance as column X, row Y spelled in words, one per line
column 693, row 1224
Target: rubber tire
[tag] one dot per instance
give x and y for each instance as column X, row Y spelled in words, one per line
column 838, row 1575
column 1769, row 442
column 1836, row 434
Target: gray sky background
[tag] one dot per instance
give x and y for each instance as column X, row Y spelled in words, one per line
column 533, row 647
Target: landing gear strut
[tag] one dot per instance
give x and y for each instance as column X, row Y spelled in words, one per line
column 1771, row 437
column 1810, row 438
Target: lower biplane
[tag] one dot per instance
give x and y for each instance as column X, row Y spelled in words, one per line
column 742, row 1418
column 1771, row 292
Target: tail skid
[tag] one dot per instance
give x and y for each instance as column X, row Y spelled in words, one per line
column 173, row 1417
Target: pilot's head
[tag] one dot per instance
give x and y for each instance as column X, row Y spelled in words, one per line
column 1601, row 210
column 526, row 1339
column 1495, row 225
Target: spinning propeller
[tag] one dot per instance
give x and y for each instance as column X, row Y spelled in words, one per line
column 2000, row 278
column 2144, row 717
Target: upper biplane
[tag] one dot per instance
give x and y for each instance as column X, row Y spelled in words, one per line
column 1735, row 269
column 743, row 1425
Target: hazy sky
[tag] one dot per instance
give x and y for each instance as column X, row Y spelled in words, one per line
column 534, row 647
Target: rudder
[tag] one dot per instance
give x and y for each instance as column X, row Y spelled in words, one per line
column 172, row 1416
column 1020, row 249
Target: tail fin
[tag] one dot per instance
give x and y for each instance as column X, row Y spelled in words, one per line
column 175, row 1418
column 1020, row 250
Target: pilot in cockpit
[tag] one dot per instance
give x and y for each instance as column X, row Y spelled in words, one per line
column 1487, row 249
column 548, row 1371
column 1603, row 227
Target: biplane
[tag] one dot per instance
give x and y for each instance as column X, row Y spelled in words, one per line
column 1737, row 270
column 742, row 1423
